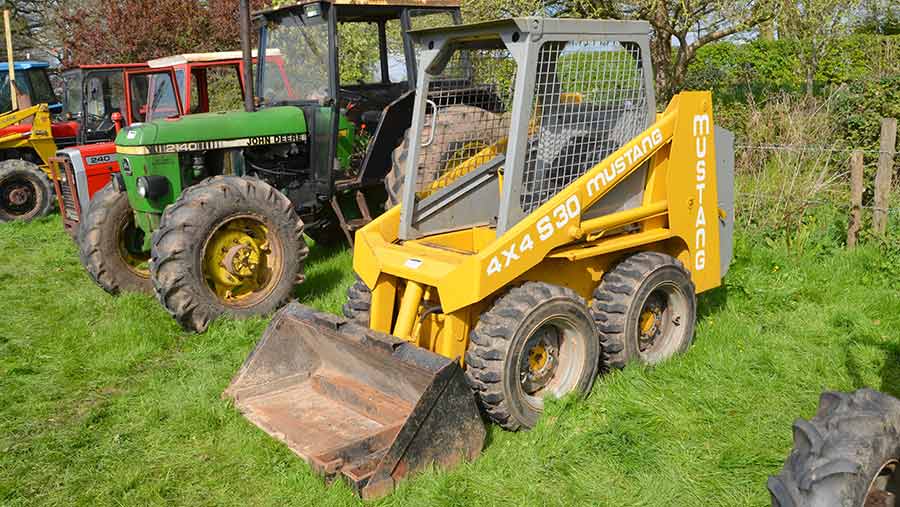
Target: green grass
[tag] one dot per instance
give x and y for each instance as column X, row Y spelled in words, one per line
column 105, row 401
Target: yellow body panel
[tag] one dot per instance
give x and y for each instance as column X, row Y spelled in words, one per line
column 40, row 138
column 461, row 272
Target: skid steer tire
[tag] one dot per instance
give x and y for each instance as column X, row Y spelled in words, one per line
column 26, row 192
column 535, row 336
column 359, row 303
column 221, row 221
column 109, row 244
column 644, row 282
column 456, row 126
column 846, row 455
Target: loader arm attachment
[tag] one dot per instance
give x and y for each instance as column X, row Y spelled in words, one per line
column 39, row 137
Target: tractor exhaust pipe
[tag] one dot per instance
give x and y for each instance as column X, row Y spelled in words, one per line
column 7, row 32
column 247, row 55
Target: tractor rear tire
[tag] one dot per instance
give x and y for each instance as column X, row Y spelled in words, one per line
column 646, row 289
column 223, row 221
column 536, row 340
column 109, row 244
column 848, row 454
column 26, row 192
column 456, row 125
column 359, row 303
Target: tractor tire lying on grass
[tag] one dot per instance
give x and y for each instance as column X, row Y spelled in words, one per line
column 110, row 246
column 846, row 455
column 227, row 245
column 461, row 132
column 26, row 192
column 645, row 308
column 536, row 340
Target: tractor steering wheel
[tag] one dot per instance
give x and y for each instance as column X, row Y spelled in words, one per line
column 102, row 123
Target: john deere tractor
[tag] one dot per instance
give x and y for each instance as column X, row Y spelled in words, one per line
column 220, row 202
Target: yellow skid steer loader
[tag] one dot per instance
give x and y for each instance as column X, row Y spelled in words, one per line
column 566, row 235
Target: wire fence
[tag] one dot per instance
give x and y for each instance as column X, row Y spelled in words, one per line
column 777, row 185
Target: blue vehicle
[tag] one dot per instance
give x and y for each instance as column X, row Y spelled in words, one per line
column 33, row 81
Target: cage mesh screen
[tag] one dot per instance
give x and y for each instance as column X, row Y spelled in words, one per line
column 471, row 98
column 589, row 100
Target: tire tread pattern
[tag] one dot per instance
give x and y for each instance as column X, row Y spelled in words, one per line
column 613, row 296
column 838, row 451
column 171, row 261
column 491, row 339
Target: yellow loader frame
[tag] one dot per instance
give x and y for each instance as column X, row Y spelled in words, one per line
column 464, row 269
column 39, row 137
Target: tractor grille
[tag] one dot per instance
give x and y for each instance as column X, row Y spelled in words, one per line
column 68, row 190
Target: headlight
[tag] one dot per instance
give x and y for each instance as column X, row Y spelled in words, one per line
column 152, row 187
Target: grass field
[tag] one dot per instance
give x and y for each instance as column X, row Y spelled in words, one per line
column 104, row 401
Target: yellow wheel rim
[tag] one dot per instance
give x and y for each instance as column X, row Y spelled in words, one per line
column 648, row 321
column 130, row 247
column 241, row 261
column 537, row 357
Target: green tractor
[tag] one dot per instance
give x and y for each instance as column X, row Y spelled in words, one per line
column 213, row 208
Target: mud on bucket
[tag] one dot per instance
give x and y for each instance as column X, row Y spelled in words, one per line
column 356, row 403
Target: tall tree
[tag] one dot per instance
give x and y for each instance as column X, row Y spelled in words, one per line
column 31, row 23
column 680, row 27
column 815, row 24
column 116, row 31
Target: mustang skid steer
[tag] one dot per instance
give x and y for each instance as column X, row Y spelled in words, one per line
column 573, row 241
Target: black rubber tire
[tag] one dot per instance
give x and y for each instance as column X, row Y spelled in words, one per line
column 30, row 175
column 178, row 247
column 359, row 303
column 455, row 123
column 99, row 236
column 499, row 338
column 838, row 453
column 619, row 298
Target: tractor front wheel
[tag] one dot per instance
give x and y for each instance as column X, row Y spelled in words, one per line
column 537, row 340
column 228, row 245
column 25, row 191
column 110, row 246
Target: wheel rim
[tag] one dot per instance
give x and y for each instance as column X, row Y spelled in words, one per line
column 18, row 196
column 131, row 247
column 884, row 486
column 242, row 261
column 551, row 360
column 461, row 151
column 661, row 322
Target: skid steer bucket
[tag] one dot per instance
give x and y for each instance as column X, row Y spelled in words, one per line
column 356, row 403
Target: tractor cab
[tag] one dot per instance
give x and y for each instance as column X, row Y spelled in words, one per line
column 33, row 83
column 346, row 62
column 94, row 96
column 161, row 89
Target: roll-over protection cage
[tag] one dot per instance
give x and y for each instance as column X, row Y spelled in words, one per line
column 571, row 92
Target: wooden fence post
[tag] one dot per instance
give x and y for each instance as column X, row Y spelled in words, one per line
column 856, row 192
column 883, row 176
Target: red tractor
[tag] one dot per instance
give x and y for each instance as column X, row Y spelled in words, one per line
column 164, row 88
column 38, row 124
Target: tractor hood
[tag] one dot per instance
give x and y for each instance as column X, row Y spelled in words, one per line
column 208, row 131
